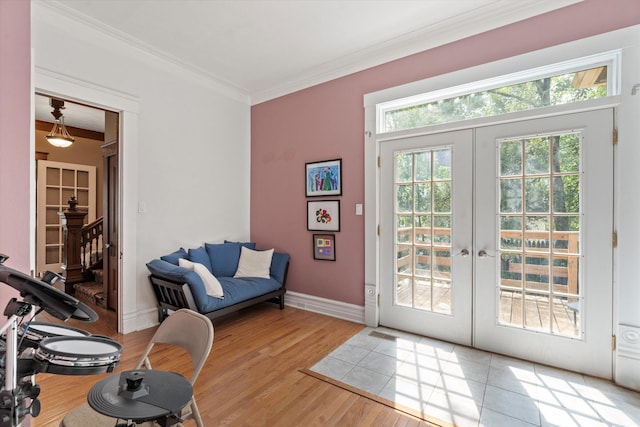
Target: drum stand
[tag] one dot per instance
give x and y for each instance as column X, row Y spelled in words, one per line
column 13, row 396
column 18, row 395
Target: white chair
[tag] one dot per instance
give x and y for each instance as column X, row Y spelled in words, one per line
column 186, row 329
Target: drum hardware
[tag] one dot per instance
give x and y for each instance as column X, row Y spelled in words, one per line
column 15, row 401
column 47, row 347
column 49, row 277
column 40, row 294
column 134, row 387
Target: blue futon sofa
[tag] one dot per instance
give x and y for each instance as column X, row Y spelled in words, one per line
column 217, row 279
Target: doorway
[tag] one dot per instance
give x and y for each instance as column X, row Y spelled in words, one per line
column 95, row 148
column 499, row 237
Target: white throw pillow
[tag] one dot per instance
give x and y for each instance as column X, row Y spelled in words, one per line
column 211, row 285
column 254, row 263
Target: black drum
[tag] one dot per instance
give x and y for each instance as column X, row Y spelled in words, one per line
column 77, row 355
column 31, row 335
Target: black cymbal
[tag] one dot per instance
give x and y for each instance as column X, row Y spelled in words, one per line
column 50, row 299
column 84, row 313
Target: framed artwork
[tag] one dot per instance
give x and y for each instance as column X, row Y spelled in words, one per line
column 324, row 247
column 323, row 178
column 323, row 215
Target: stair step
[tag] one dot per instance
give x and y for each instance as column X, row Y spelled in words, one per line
column 99, row 275
column 91, row 292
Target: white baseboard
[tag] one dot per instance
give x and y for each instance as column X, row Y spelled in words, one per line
column 627, row 373
column 140, row 320
column 147, row 318
column 339, row 309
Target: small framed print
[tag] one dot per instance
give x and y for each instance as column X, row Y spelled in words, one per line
column 323, row 215
column 324, row 247
column 323, row 178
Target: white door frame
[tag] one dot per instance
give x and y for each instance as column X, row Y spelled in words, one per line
column 51, row 83
column 626, row 326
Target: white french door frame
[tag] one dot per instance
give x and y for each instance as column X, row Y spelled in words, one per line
column 601, row 364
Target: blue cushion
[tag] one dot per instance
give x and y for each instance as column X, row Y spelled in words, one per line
column 250, row 245
column 168, row 271
column 224, row 258
column 200, row 256
column 279, row 266
column 239, row 289
column 175, row 256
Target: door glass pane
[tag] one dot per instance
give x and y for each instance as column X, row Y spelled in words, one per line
column 53, row 254
column 83, row 179
column 423, row 229
column 537, row 156
column 68, row 178
column 53, row 176
column 82, row 197
column 52, row 217
column 539, row 223
column 53, row 196
column 67, row 194
column 52, row 235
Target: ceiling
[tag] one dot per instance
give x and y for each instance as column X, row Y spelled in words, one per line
column 76, row 115
column 267, row 48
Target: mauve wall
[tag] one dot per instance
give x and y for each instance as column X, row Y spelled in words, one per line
column 327, row 122
column 15, row 131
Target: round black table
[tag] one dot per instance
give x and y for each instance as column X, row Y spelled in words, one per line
column 149, row 395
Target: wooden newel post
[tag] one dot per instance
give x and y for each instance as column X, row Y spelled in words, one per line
column 72, row 220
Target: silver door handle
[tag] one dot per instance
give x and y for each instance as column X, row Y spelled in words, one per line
column 464, row 253
column 484, row 254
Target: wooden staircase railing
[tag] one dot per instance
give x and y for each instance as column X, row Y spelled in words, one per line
column 82, row 246
column 91, row 245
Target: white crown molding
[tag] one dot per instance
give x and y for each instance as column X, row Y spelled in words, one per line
column 494, row 16
column 200, row 75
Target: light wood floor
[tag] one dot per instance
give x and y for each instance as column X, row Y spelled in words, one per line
column 252, row 376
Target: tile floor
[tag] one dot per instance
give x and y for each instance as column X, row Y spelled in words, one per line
column 468, row 387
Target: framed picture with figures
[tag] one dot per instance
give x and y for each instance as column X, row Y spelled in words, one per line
column 323, row 178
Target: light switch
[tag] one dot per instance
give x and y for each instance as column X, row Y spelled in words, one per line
column 359, row 209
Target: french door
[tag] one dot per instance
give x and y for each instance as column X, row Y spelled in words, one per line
column 56, row 183
column 426, row 234
column 500, row 237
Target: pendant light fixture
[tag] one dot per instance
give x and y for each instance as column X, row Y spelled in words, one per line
column 59, row 136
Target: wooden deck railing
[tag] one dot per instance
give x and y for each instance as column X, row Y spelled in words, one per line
column 537, row 246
